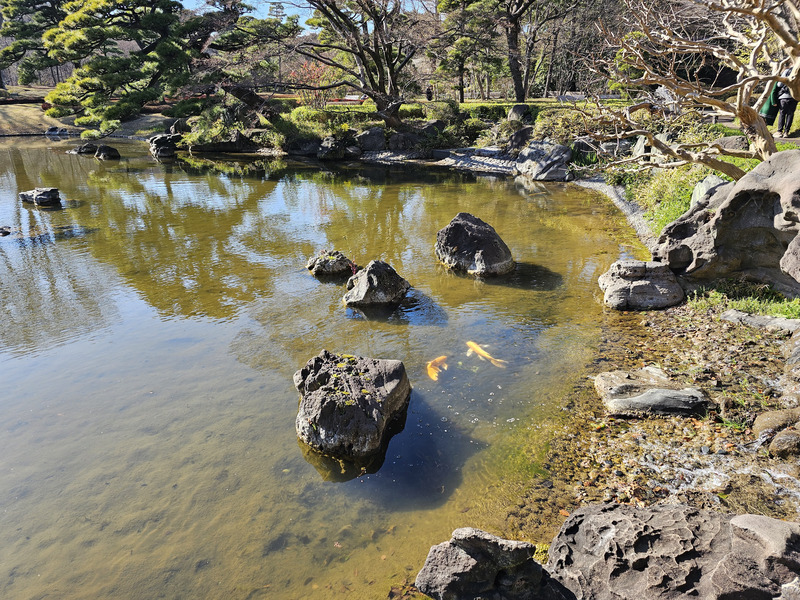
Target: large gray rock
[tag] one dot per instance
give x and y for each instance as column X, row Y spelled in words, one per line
column 706, row 188
column 469, row 244
column 104, row 152
column 544, row 161
column 402, row 141
column 87, row 148
column 647, row 391
column 519, row 112
column 236, row 142
column 348, row 404
column 643, row 146
column 748, row 229
column 331, row 149
column 376, row 284
column 640, row 285
column 732, row 142
column 330, row 264
column 164, row 145
column 42, row 196
column 785, row 444
column 478, row 565
column 775, row 420
column 372, row 140
column 617, row 552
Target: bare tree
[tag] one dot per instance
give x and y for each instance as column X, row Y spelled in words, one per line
column 687, row 48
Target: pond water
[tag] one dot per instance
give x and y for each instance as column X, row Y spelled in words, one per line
column 150, row 331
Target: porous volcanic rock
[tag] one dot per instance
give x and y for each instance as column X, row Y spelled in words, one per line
column 349, row 404
column 475, row 564
column 375, row 285
column 330, row 264
column 618, row 552
column 647, row 391
column 640, row 285
column 469, row 244
column 748, row 230
column 42, row 196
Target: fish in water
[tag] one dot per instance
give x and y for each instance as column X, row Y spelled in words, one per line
column 436, row 365
column 473, row 347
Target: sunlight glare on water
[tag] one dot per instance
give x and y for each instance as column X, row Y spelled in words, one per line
column 150, row 331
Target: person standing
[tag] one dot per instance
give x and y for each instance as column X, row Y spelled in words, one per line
column 787, row 104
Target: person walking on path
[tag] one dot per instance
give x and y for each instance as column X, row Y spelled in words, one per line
column 787, row 104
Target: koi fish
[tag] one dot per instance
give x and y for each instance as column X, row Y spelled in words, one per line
column 436, row 365
column 473, row 347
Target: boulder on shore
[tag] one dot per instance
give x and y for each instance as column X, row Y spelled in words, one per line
column 647, row 391
column 475, row 564
column 544, row 161
column 42, row 196
column 375, row 285
column 640, row 285
column 618, row 552
column 471, row 245
column 745, row 230
column 350, row 405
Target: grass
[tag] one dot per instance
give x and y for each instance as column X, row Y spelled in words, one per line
column 746, row 296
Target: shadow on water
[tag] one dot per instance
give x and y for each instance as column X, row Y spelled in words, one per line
column 528, row 276
column 416, row 308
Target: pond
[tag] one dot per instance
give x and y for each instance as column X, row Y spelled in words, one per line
column 150, row 331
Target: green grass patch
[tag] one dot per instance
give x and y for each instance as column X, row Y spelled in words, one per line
column 747, row 296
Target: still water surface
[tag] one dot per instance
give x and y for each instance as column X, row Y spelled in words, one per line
column 150, row 331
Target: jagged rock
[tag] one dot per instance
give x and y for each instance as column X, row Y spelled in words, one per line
column 544, row 161
column 237, row 142
column 164, row 145
column 617, row 148
column 372, row 140
column 775, row 420
column 330, row 264
column 469, row 244
column 703, row 191
column 432, row 128
column 618, row 552
column 104, row 152
column 350, row 404
column 331, row 149
column 785, row 444
column 519, row 112
column 519, row 140
column 41, row 196
column 733, row 142
column 87, row 148
column 640, row 285
column 376, row 284
column 642, row 145
column 404, row 141
column 746, row 230
column 303, row 147
column 478, row 565
column 647, row 391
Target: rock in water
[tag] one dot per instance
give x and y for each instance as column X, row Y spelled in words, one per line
column 472, row 245
column 476, row 564
column 104, row 152
column 330, row 264
column 349, row 404
column 376, row 284
column 618, row 552
column 647, row 391
column 639, row 285
column 41, row 196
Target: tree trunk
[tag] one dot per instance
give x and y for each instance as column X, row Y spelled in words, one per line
column 461, row 84
column 550, row 63
column 755, row 128
column 389, row 111
column 512, row 39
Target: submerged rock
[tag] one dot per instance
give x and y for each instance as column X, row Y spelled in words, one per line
column 640, row 285
column 42, row 196
column 376, row 284
column 330, row 264
column 348, row 404
column 647, row 391
column 618, row 552
column 469, row 244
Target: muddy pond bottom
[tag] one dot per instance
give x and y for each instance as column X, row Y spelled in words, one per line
column 151, row 328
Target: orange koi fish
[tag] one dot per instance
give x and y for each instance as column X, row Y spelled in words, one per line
column 436, row 365
column 473, row 347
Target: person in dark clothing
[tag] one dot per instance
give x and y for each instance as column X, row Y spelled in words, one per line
column 787, row 105
column 429, row 94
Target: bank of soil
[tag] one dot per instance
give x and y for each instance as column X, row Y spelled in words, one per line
column 712, row 461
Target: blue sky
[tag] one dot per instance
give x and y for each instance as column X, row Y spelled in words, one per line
column 290, row 7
